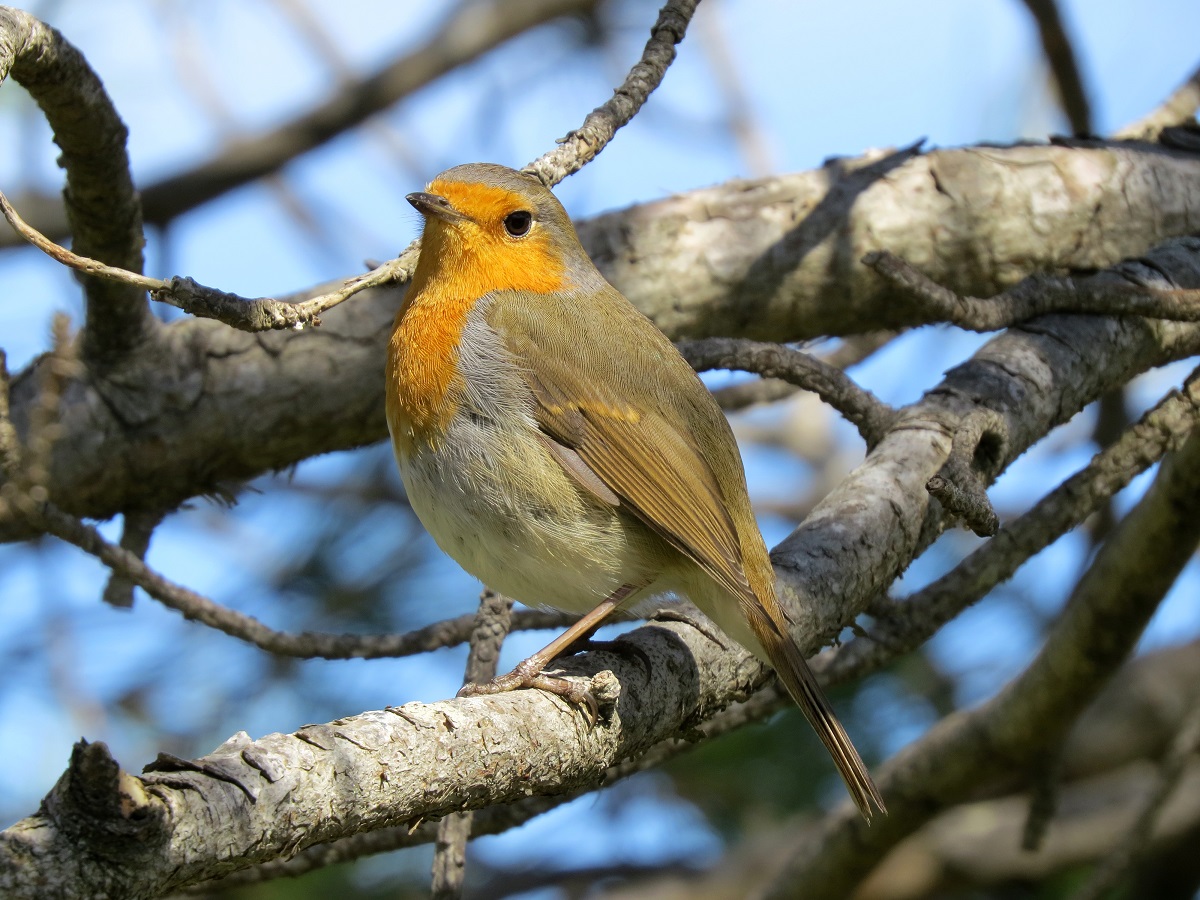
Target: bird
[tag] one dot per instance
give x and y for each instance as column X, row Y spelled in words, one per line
column 559, row 448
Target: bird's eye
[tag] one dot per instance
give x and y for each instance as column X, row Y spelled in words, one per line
column 518, row 223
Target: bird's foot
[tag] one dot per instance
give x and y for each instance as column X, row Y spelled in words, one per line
column 529, row 674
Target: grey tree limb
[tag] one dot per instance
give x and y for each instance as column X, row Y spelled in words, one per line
column 283, row 793
column 103, row 210
column 1104, row 617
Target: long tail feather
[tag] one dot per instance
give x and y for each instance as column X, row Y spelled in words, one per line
column 802, row 685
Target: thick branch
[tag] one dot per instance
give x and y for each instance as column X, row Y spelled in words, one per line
column 910, row 624
column 283, row 793
column 1102, row 622
column 699, row 263
column 102, row 207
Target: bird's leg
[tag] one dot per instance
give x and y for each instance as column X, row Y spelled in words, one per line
column 528, row 673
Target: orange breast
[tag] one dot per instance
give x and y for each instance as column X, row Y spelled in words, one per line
column 421, row 368
column 458, row 265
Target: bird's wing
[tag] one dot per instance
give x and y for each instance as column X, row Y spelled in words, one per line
column 628, row 419
column 588, row 377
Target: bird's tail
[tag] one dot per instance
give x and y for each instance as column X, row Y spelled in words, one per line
column 800, row 682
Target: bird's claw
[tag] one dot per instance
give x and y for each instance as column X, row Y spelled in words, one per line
column 573, row 692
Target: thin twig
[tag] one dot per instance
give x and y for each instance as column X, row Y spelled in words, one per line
column 447, row 633
column 1037, row 295
column 262, row 314
column 1064, row 64
column 976, row 456
column 136, row 531
column 582, row 145
column 863, row 409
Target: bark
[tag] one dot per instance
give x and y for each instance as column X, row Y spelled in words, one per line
column 103, row 833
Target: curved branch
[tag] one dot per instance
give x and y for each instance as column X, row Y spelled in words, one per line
column 870, row 415
column 102, row 207
column 582, row 145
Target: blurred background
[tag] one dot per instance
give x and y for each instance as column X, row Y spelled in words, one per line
column 759, row 88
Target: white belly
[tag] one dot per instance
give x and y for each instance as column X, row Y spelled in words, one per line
column 535, row 537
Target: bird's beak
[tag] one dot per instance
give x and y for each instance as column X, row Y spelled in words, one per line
column 433, row 205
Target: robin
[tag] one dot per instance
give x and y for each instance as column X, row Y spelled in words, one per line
column 558, row 447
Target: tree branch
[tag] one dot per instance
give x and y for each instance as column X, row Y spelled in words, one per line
column 1177, row 109
column 860, row 407
column 1037, row 296
column 583, row 144
column 262, row 314
column 283, row 793
column 1064, row 65
column 910, row 624
column 1100, row 625
column 128, row 566
column 103, row 211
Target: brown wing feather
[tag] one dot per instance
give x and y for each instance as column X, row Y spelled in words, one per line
column 655, row 471
column 631, row 432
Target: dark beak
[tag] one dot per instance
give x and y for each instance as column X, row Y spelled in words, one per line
column 433, row 205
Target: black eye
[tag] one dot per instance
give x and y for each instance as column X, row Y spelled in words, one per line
column 517, row 223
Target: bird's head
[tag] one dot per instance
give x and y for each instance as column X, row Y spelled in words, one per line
column 488, row 227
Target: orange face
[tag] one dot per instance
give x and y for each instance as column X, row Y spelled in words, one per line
column 479, row 254
column 471, row 253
